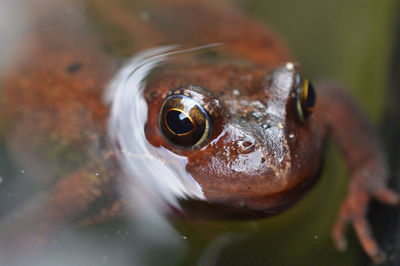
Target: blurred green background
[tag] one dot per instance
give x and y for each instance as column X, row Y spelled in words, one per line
column 345, row 40
column 348, row 41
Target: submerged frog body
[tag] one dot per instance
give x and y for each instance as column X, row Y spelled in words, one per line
column 237, row 133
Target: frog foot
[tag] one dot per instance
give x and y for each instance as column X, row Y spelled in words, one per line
column 353, row 211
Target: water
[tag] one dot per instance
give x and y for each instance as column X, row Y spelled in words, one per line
column 334, row 47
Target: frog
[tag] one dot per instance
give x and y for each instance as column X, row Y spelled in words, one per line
column 239, row 133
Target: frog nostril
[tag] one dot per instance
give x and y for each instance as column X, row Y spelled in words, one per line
column 244, row 146
column 247, row 144
column 265, row 126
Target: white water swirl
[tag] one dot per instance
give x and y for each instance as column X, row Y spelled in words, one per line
column 158, row 176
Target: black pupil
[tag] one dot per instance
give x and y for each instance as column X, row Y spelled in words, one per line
column 310, row 102
column 178, row 122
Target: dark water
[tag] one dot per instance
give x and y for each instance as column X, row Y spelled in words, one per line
column 348, row 41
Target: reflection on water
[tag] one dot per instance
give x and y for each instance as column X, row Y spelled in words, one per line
column 138, row 157
column 14, row 24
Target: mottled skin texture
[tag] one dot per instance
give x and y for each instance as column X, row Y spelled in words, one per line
column 53, row 118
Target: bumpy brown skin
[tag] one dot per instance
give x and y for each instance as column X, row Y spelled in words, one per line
column 52, row 111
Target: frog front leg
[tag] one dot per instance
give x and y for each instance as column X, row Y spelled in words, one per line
column 338, row 114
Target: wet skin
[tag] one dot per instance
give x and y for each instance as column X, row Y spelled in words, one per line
column 259, row 157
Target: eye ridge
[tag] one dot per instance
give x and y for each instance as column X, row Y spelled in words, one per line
column 187, row 117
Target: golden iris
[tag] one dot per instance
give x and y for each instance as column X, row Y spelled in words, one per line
column 305, row 98
column 184, row 122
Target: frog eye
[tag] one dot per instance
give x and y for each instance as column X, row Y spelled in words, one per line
column 305, row 98
column 184, row 122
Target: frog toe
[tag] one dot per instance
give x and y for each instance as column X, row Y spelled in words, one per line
column 339, row 230
column 367, row 240
column 387, row 196
column 353, row 211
